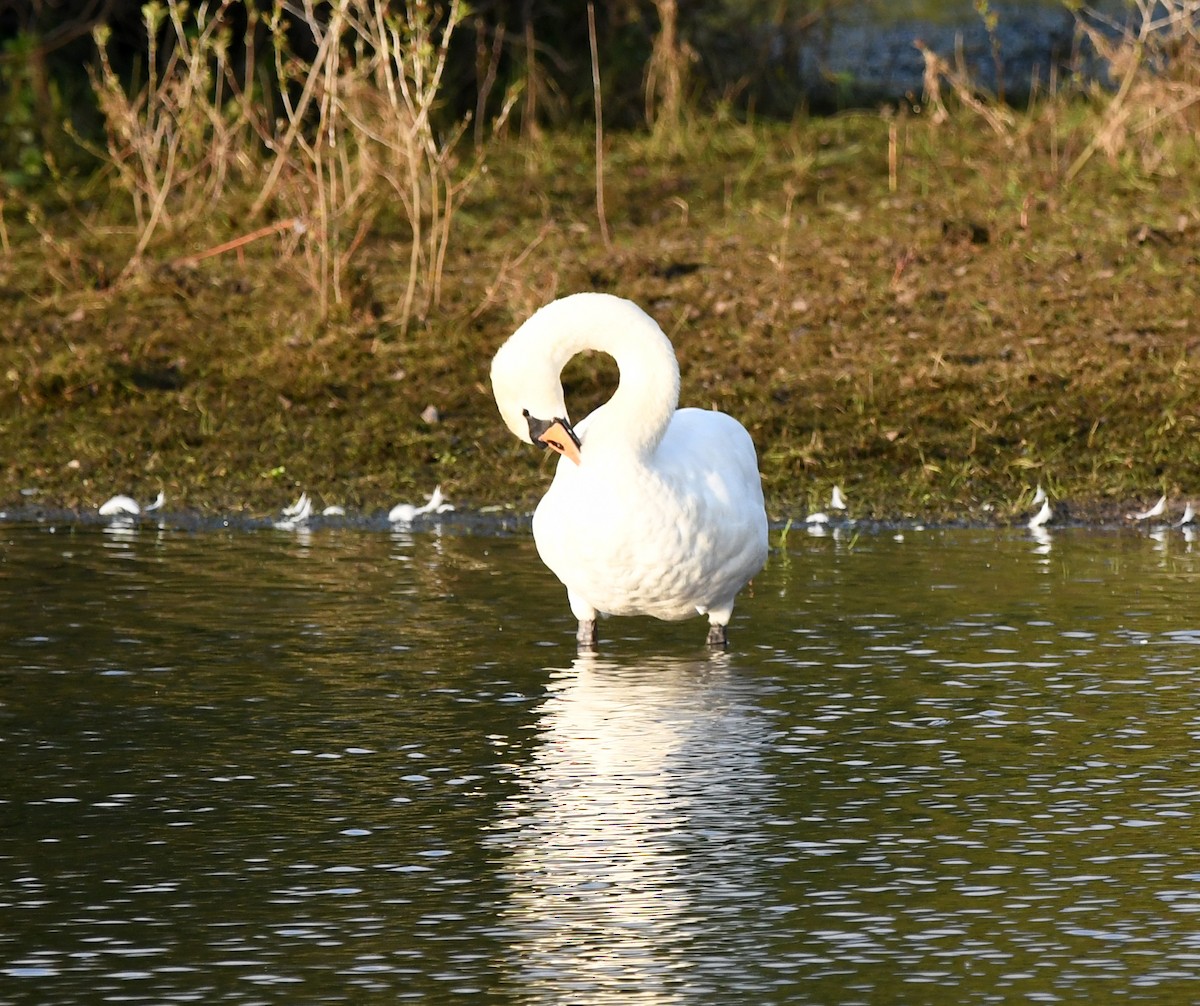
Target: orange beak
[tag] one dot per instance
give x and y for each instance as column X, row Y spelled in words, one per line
column 561, row 439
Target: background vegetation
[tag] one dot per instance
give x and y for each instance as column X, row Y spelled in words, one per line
column 248, row 249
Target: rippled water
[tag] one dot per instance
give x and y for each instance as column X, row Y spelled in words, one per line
column 261, row 767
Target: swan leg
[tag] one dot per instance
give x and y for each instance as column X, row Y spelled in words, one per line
column 717, row 637
column 586, row 635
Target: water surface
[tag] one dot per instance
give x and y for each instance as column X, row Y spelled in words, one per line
column 259, row 767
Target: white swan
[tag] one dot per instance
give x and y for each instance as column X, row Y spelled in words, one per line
column 652, row 511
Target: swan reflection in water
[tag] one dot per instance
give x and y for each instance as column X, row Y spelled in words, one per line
column 635, row 847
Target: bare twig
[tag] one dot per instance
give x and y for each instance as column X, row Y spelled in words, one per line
column 294, row 224
column 295, row 115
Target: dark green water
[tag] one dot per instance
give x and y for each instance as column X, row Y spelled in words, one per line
column 346, row 766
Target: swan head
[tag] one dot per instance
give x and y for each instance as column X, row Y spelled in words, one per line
column 556, row 434
column 529, row 395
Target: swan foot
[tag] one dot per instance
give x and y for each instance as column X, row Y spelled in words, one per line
column 586, row 635
column 717, row 636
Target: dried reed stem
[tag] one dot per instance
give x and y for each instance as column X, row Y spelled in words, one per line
column 600, row 213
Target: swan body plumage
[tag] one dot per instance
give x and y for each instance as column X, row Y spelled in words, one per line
column 653, row 510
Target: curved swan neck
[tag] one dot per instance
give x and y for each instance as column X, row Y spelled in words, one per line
column 637, row 415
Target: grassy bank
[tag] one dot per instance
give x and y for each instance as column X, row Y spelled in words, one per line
column 926, row 315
